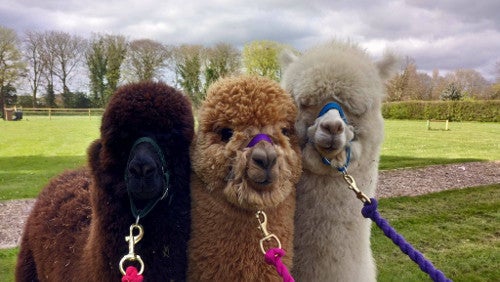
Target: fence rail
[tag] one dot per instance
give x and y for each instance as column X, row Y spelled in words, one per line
column 52, row 112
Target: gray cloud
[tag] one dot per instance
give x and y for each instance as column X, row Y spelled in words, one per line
column 446, row 35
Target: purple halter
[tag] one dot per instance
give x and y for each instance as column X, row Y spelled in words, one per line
column 259, row 137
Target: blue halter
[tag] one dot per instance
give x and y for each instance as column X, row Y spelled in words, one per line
column 333, row 106
column 324, row 110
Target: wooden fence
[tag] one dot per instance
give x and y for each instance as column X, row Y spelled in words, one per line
column 54, row 112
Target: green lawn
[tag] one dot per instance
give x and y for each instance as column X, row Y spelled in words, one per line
column 410, row 144
column 457, row 230
column 35, row 149
column 7, row 264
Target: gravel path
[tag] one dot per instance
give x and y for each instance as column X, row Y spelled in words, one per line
column 392, row 183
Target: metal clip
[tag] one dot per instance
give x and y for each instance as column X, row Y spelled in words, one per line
column 263, row 227
column 352, row 185
column 132, row 240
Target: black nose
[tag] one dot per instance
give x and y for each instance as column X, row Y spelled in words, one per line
column 142, row 166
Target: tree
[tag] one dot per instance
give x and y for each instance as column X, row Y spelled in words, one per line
column 497, row 72
column 188, row 71
column 80, row 100
column 145, row 59
column 452, row 92
column 495, row 87
column 11, row 64
column 66, row 54
column 104, row 58
column 471, row 83
column 396, row 87
column 96, row 64
column 50, row 96
column 261, row 58
column 48, row 62
column 222, row 60
column 409, row 84
column 438, row 85
column 9, row 94
column 116, row 53
column 33, row 53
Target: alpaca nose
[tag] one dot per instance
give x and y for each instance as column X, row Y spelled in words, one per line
column 142, row 167
column 263, row 158
column 332, row 126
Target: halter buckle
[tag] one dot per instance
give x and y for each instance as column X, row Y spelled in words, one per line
column 132, row 240
column 267, row 235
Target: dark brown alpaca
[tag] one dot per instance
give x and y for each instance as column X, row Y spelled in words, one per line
column 77, row 229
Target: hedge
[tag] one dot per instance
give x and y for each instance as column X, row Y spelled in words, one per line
column 483, row 110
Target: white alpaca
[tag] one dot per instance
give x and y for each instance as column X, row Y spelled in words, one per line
column 332, row 238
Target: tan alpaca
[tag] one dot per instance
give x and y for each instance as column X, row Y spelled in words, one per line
column 231, row 180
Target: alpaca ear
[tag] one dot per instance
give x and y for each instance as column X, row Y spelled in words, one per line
column 387, row 66
column 286, row 58
column 93, row 153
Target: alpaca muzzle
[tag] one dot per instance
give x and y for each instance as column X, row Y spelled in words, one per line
column 146, row 176
column 334, row 128
column 261, row 167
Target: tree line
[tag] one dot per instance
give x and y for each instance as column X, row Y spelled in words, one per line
column 58, row 69
column 461, row 84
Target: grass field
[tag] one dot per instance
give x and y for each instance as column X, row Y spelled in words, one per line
column 410, row 144
column 457, row 230
column 34, row 150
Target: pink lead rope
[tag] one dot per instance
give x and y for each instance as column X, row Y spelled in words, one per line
column 132, row 275
column 273, row 257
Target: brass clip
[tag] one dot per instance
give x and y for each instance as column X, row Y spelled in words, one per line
column 263, row 227
column 132, row 240
column 352, row 185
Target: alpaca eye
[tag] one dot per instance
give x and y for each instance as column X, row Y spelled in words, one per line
column 285, row 131
column 226, row 134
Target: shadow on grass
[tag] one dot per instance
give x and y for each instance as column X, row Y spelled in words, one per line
column 39, row 162
column 393, row 162
column 25, row 176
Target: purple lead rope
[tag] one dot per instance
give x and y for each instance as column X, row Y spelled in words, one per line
column 370, row 211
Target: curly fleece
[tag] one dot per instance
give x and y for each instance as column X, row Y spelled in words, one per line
column 224, row 244
column 78, row 225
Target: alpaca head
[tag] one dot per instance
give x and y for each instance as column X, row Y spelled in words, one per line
column 343, row 74
column 146, row 132
column 246, row 150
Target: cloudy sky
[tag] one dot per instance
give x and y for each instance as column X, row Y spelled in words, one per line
column 437, row 34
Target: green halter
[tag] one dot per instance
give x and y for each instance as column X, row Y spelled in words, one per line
column 140, row 213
